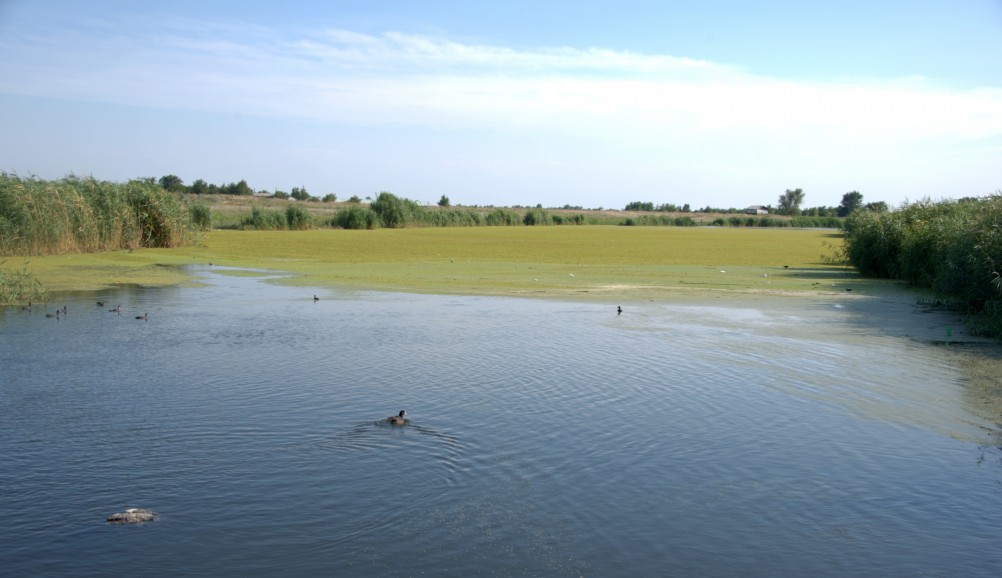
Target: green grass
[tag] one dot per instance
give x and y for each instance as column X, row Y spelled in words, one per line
column 594, row 261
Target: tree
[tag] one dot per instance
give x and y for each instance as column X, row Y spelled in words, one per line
column 789, row 202
column 300, row 194
column 171, row 183
column 850, row 202
column 199, row 187
column 392, row 211
column 877, row 207
column 329, row 198
column 444, row 201
column 241, row 188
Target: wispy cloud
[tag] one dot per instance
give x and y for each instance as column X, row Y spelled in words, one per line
column 646, row 107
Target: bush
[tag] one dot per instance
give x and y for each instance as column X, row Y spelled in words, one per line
column 201, row 215
column 393, row 211
column 264, row 220
column 298, row 218
column 354, row 217
column 536, row 217
column 502, row 218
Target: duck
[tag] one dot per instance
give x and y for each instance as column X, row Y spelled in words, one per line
column 397, row 419
column 116, row 309
column 100, row 303
column 144, row 316
column 315, row 299
column 619, row 310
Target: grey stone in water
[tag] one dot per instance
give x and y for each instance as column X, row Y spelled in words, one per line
column 133, row 516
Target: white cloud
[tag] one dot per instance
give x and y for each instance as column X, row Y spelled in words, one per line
column 626, row 107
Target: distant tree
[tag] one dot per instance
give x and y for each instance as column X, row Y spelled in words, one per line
column 686, row 208
column 329, row 198
column 877, row 207
column 172, row 183
column 300, row 194
column 639, row 206
column 354, row 199
column 790, row 201
column 199, row 187
column 241, row 188
column 850, row 202
column 444, row 201
column 281, row 194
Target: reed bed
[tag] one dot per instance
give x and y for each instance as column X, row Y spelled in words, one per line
column 79, row 215
column 953, row 248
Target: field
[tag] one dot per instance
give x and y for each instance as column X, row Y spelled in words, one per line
column 594, row 261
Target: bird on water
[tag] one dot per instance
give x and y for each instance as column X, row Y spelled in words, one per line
column 397, row 419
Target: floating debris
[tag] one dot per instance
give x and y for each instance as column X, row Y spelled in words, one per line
column 133, row 516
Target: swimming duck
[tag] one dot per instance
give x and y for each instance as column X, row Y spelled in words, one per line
column 144, row 316
column 315, row 299
column 619, row 310
column 117, row 309
column 397, row 419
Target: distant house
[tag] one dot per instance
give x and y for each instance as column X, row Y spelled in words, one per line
column 756, row 210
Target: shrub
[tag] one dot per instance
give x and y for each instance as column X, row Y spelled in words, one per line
column 502, row 217
column 298, row 218
column 536, row 217
column 354, row 217
column 264, row 220
column 201, row 215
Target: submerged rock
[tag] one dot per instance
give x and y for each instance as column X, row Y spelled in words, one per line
column 133, row 516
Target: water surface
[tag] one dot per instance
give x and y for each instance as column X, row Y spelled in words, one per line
column 713, row 438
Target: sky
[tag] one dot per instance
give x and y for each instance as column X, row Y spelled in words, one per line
column 596, row 104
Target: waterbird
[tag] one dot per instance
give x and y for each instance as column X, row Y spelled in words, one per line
column 315, row 298
column 100, row 303
column 116, row 309
column 619, row 310
column 144, row 316
column 56, row 314
column 397, row 419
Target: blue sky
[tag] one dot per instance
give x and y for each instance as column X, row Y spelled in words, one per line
column 597, row 104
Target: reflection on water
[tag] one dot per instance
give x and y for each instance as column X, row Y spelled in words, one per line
column 545, row 438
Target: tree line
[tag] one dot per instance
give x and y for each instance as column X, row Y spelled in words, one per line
column 789, row 205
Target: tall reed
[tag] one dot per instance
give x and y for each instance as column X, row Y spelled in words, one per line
column 75, row 214
column 19, row 286
column 951, row 247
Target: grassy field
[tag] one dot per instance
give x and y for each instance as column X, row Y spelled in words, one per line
column 594, row 261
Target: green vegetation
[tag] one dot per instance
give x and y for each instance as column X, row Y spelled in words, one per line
column 84, row 215
column 951, row 247
column 593, row 262
column 19, row 286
